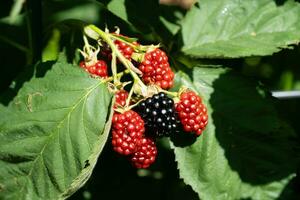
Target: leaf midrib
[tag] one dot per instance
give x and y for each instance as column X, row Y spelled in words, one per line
column 53, row 133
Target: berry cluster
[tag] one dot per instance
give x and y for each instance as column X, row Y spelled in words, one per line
column 192, row 112
column 156, row 69
column 146, row 112
column 134, row 132
column 154, row 66
column 128, row 136
column 98, row 69
column 159, row 115
column 128, row 139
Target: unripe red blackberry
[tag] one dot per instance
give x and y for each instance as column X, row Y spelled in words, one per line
column 121, row 97
column 192, row 112
column 156, row 69
column 145, row 154
column 82, row 64
column 127, row 129
column 99, row 68
column 159, row 115
column 124, row 48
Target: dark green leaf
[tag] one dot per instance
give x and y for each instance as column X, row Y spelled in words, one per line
column 142, row 14
column 50, row 143
column 234, row 28
column 87, row 11
column 246, row 151
column 160, row 22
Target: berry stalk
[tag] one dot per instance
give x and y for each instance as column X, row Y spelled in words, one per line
column 114, row 67
column 124, row 41
column 90, row 31
column 118, row 75
column 174, row 94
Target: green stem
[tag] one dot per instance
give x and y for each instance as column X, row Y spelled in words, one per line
column 86, row 45
column 14, row 44
column 118, row 75
column 129, row 96
column 174, row 94
column 137, row 48
column 114, row 67
column 106, row 37
column 16, row 10
column 124, row 41
column 134, row 105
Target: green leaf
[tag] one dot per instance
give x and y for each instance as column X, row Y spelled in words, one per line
column 156, row 22
column 118, row 8
column 246, row 151
column 171, row 17
column 50, row 143
column 70, row 10
column 143, row 18
column 233, row 28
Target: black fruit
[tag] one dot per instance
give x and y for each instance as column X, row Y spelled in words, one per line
column 159, row 115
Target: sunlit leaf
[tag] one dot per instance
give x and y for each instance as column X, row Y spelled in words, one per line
column 234, row 28
column 50, row 143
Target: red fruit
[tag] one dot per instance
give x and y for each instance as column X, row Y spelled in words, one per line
column 101, row 68
column 192, row 112
column 82, row 64
column 98, row 69
column 121, row 97
column 156, row 69
column 124, row 48
column 145, row 154
column 127, row 129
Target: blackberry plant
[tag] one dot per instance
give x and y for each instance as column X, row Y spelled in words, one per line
column 148, row 71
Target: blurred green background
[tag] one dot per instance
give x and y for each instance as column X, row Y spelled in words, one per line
column 34, row 30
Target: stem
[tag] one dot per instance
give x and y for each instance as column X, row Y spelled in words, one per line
column 14, row 44
column 129, row 96
column 113, row 47
column 174, row 94
column 114, row 67
column 133, row 105
column 118, row 75
column 15, row 11
column 137, row 48
column 86, row 45
column 124, row 41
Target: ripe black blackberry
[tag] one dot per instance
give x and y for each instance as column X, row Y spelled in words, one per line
column 159, row 115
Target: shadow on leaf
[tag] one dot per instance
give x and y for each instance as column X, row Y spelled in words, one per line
column 183, row 139
column 257, row 144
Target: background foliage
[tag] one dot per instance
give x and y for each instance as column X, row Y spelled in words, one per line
column 250, row 149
